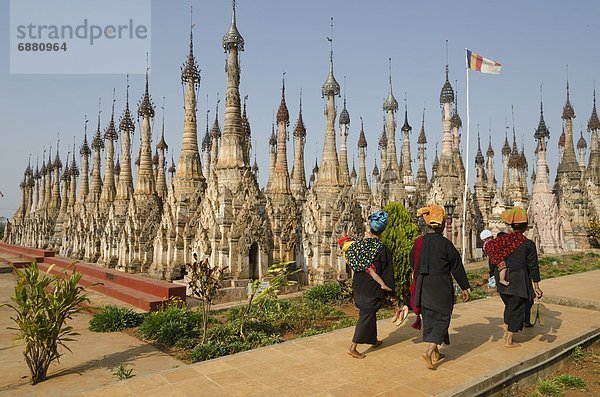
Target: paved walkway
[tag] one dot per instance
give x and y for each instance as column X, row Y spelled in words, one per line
column 583, row 290
column 319, row 365
column 89, row 367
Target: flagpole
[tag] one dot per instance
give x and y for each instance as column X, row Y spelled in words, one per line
column 467, row 166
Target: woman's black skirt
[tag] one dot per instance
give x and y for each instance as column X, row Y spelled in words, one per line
column 435, row 326
column 366, row 327
column 514, row 311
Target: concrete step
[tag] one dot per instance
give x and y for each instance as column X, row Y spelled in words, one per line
column 137, row 290
column 10, row 261
column 162, row 289
column 28, row 250
column 4, row 268
column 132, row 296
column 14, row 252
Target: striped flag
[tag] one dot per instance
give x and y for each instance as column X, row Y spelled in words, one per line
column 478, row 63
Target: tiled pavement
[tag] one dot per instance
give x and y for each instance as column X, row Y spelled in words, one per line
column 319, row 365
column 89, row 367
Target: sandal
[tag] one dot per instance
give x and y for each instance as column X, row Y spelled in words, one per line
column 377, row 344
column 533, row 315
column 403, row 315
column 541, row 313
column 396, row 315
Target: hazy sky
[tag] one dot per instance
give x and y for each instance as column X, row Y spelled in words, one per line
column 533, row 40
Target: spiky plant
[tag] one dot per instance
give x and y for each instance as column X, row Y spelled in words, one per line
column 43, row 303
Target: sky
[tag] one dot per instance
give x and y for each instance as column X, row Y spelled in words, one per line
column 533, row 40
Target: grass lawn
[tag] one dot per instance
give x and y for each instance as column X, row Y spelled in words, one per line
column 550, row 267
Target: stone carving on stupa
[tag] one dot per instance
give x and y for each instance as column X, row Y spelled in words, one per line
column 547, row 230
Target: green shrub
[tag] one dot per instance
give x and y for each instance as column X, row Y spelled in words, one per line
column 43, row 303
column 258, row 338
column 578, row 354
column 230, row 342
column 207, row 351
column 225, row 333
column 326, row 293
column 186, row 343
column 549, row 387
column 344, row 323
column 312, row 331
column 171, row 324
column 399, row 235
column 569, row 381
column 384, row 313
column 115, row 318
column 478, row 293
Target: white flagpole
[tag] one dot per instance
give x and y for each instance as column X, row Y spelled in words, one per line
column 467, row 166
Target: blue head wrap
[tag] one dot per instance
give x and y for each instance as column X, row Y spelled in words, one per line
column 378, row 221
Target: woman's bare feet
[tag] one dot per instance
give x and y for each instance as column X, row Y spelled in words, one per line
column 428, row 361
column 508, row 342
column 356, row 354
column 437, row 356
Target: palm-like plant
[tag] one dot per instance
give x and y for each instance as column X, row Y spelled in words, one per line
column 42, row 304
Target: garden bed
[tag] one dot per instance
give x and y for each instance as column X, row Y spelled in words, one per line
column 580, row 376
column 177, row 330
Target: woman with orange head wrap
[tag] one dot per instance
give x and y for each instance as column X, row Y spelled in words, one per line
column 435, row 261
column 521, row 260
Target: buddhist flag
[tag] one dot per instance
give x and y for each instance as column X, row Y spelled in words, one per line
column 481, row 64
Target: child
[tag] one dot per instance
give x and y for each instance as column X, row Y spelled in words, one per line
column 359, row 255
column 486, row 236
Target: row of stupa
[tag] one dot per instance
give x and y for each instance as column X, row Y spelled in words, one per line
column 211, row 203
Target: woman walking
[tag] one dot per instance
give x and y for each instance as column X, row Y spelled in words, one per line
column 368, row 294
column 521, row 259
column 436, row 260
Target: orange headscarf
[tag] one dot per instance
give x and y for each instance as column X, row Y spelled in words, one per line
column 514, row 215
column 433, row 214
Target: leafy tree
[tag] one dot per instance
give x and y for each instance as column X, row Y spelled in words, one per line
column 278, row 273
column 398, row 236
column 205, row 283
column 42, row 304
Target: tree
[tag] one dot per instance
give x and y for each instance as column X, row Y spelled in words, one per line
column 278, row 274
column 399, row 235
column 205, row 283
column 43, row 303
